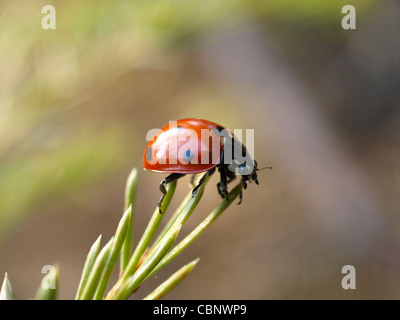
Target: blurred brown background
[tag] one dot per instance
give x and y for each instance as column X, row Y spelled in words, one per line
column 76, row 104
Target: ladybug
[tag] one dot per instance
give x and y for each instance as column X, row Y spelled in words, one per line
column 192, row 146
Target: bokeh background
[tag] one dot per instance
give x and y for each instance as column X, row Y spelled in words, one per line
column 76, row 104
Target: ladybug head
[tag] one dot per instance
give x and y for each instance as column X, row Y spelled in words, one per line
column 253, row 175
column 248, row 175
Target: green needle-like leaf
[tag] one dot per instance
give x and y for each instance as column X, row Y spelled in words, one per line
column 130, row 189
column 128, row 286
column 149, row 232
column 91, row 257
column 49, row 286
column 119, row 238
column 130, row 195
column 199, row 229
column 146, row 261
column 6, row 292
column 97, row 270
column 172, row 281
column 173, row 218
column 184, row 211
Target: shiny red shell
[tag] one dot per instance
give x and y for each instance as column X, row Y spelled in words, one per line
column 185, row 146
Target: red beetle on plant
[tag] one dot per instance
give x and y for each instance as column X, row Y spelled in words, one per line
column 192, row 146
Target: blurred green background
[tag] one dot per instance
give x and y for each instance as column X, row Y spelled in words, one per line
column 76, row 104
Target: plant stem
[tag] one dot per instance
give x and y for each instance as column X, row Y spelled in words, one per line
column 178, row 220
column 136, row 279
column 146, row 237
column 168, row 225
column 184, row 210
column 199, row 229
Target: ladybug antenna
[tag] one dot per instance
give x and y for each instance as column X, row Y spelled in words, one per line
column 270, row 167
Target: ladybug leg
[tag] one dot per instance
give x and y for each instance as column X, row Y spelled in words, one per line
column 244, row 184
column 170, row 178
column 230, row 176
column 203, row 178
column 223, row 189
column 219, row 189
column 219, row 185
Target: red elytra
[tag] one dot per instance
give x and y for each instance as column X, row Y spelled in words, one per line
column 191, row 146
column 185, row 146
